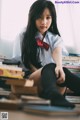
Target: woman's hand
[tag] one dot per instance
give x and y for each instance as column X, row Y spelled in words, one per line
column 60, row 74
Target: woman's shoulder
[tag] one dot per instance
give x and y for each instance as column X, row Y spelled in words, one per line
column 51, row 35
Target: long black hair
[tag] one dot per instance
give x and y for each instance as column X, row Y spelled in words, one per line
column 29, row 46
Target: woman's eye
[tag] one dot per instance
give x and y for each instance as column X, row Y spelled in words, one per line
column 48, row 17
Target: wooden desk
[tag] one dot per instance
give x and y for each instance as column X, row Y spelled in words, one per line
column 20, row 115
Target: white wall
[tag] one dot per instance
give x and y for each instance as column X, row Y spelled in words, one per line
column 0, row 19
column 13, row 19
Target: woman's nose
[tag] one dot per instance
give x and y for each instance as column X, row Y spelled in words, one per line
column 44, row 21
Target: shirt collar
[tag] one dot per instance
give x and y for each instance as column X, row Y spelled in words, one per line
column 39, row 35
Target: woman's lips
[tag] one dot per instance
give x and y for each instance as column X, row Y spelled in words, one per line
column 43, row 27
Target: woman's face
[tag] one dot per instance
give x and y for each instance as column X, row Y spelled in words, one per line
column 44, row 22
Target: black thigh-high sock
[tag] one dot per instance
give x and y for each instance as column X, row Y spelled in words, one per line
column 71, row 81
column 50, row 91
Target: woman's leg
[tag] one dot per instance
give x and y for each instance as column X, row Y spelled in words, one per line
column 36, row 76
column 50, row 91
column 71, row 81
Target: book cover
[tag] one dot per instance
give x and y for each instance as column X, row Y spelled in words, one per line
column 7, row 71
column 50, row 110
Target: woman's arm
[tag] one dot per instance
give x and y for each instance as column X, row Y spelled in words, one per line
column 57, row 56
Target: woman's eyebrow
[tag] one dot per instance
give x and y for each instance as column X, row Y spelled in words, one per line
column 48, row 15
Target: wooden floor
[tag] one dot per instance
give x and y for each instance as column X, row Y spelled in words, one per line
column 20, row 115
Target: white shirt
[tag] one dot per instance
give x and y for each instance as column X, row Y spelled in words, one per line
column 45, row 56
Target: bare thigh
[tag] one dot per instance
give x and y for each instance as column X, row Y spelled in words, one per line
column 36, row 77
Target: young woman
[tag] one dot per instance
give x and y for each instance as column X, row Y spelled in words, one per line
column 42, row 54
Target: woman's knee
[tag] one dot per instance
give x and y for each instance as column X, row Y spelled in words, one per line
column 49, row 67
column 66, row 71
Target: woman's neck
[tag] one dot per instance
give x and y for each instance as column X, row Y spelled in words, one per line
column 44, row 36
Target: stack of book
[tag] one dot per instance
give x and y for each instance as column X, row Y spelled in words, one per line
column 9, row 71
column 14, row 77
column 10, row 104
column 7, row 101
column 72, row 63
column 22, row 86
column 34, row 100
column 73, row 99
